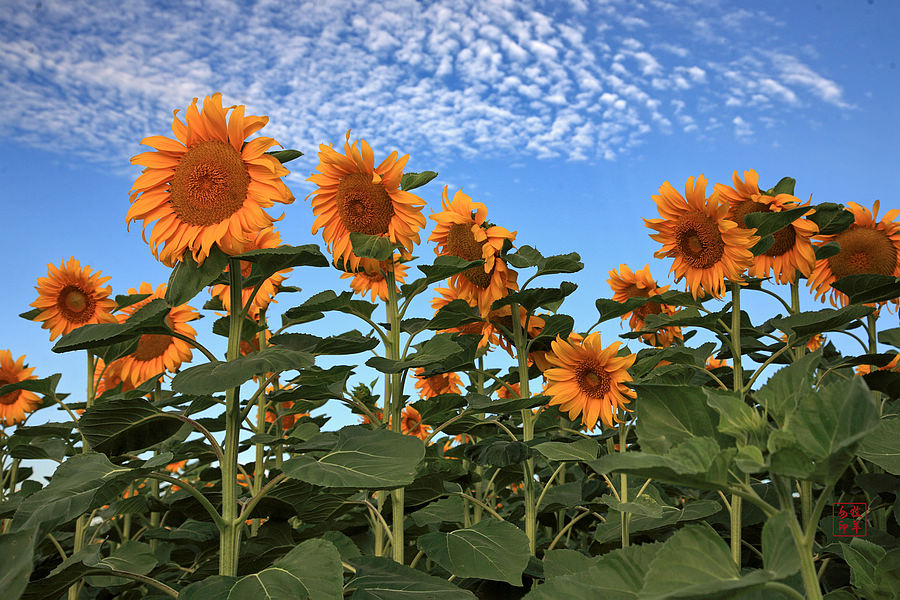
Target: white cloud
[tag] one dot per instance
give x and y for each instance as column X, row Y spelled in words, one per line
column 742, row 129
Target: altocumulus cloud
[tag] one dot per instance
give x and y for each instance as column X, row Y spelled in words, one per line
column 579, row 80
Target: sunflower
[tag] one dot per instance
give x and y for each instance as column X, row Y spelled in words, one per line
column 540, row 356
column 157, row 352
column 108, row 377
column 483, row 328
column 792, row 250
column 588, row 379
column 462, row 231
column 504, row 393
column 355, row 196
column 456, row 440
column 443, row 383
column 706, row 247
column 208, row 186
column 814, row 343
column 176, row 466
column 365, row 420
column 287, row 420
column 715, row 363
column 267, row 238
column 411, row 424
column 15, row 405
column 370, row 279
column 868, row 246
column 70, row 297
column 640, row 284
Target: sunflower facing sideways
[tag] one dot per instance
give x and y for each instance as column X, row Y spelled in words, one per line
column 411, row 424
column 70, row 297
column 640, row 284
column 588, row 380
column 355, row 196
column 14, row 406
column 208, row 185
column 442, row 383
column 792, row 250
column 156, row 353
column 370, row 278
column 694, row 231
column 462, row 230
column 869, row 246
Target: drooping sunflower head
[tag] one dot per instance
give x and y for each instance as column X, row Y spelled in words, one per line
column 70, row 297
column 15, row 406
column 209, row 185
column 155, row 352
column 792, row 250
column 266, row 238
column 370, row 278
column 588, row 380
column 411, row 423
column 640, row 284
column 869, row 246
column 705, row 246
column 462, row 230
column 355, row 196
column 442, row 383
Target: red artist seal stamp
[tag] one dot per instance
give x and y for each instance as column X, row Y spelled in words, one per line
column 850, row 519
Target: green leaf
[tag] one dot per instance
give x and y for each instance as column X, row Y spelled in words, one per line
column 780, row 395
column 376, row 247
column 362, row 458
column 831, row 218
column 806, row 324
column 671, row 414
column 326, row 301
column 785, row 185
column 862, row 557
column 130, row 556
column 31, row 315
column 351, row 342
column 882, row 446
column 582, row 450
column 826, row 250
column 214, row 587
column 454, row 314
column 482, row 403
column 490, row 549
column 45, row 386
column 890, row 336
column 188, row 278
column 219, row 376
column 284, row 156
column 380, row 578
column 126, row 301
column 498, row 452
column 768, row 223
column 445, row 510
column 527, row 256
column 694, row 563
column 268, row 261
column 779, row 553
column 150, row 318
column 565, row 562
column 17, row 550
column 311, row 571
column 411, row 181
column 123, row 426
column 81, row 483
column 868, row 288
column 644, row 505
column 445, row 266
column 737, row 419
column 435, row 350
column 534, row 298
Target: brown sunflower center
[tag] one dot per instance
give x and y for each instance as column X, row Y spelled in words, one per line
column 461, row 242
column 784, row 238
column 210, row 183
column 863, row 250
column 592, row 379
column 698, row 240
column 11, row 397
column 363, row 206
column 151, row 345
column 75, row 304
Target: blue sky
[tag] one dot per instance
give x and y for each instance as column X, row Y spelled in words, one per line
column 562, row 117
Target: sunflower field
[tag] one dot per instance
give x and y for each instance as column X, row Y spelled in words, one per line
column 501, row 450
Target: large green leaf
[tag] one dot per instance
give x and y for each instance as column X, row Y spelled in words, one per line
column 527, row 256
column 868, row 287
column 220, row 376
column 380, row 578
column 695, row 563
column 150, row 318
column 779, row 552
column 809, row 323
column 444, row 266
column 188, row 278
column 376, row 247
column 831, row 218
column 768, row 223
column 534, row 298
column 445, row 510
column 435, row 350
column 882, row 446
column 326, row 301
column 490, row 549
column 17, row 550
column 581, row 450
column 737, row 418
column 311, row 571
column 780, row 395
column 131, row 556
column 671, row 414
column 215, row 587
column 284, row 156
column 268, row 261
column 454, row 314
column 482, row 403
column 362, row 458
column 81, row 483
column 122, row 426
column 350, row 342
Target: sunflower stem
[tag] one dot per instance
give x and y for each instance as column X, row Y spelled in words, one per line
column 879, row 516
column 520, row 341
column 396, row 408
column 802, row 543
column 229, row 528
column 261, row 408
column 623, row 487
column 736, row 500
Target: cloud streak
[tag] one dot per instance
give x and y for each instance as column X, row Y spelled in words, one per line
column 454, row 78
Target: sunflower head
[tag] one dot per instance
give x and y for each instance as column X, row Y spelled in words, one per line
column 355, row 196
column 588, row 380
column 108, row 377
column 792, row 250
column 411, row 423
column 705, row 246
column 288, row 420
column 15, row 406
column 462, row 230
column 640, row 284
column 207, row 186
column 370, row 278
column 176, row 466
column 442, row 383
column 869, row 246
column 71, row 296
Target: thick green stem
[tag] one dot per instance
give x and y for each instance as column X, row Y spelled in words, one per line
column 623, row 487
column 81, row 522
column 520, row 340
column 396, row 409
column 229, row 528
column 261, row 408
column 802, row 543
column 736, row 501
